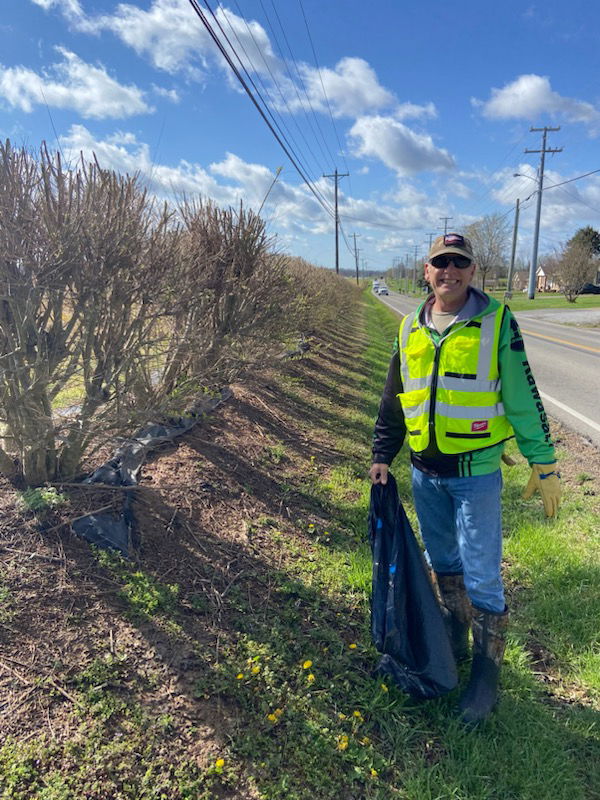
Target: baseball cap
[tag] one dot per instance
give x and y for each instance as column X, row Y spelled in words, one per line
column 451, row 243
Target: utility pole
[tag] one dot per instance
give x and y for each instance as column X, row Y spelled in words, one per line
column 431, row 235
column 356, row 251
column 536, row 233
column 337, row 176
column 446, row 223
column 415, row 269
column 511, row 269
column 407, row 271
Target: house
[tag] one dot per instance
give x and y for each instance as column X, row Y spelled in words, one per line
column 546, row 279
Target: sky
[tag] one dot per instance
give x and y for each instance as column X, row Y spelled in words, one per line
column 426, row 105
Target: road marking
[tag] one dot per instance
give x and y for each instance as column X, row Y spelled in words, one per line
column 571, row 411
column 561, row 341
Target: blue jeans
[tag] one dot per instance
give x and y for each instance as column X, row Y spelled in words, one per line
column 460, row 520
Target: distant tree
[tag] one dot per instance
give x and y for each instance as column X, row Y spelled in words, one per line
column 589, row 238
column 575, row 267
column 490, row 237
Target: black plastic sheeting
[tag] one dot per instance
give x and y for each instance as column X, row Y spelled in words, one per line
column 406, row 621
column 110, row 531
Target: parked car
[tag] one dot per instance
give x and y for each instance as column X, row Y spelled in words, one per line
column 383, row 290
column 590, row 288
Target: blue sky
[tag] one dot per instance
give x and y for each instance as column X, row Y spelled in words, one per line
column 428, row 105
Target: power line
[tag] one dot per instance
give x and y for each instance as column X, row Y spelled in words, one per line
column 239, row 76
column 322, row 84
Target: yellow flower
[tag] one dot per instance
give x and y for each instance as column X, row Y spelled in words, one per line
column 365, row 740
column 272, row 717
column 220, row 763
column 278, row 712
column 352, row 646
column 240, row 676
column 342, row 742
column 374, row 773
column 325, row 533
column 310, row 526
column 310, row 678
column 384, row 688
column 341, row 716
column 307, row 664
column 358, row 716
column 255, row 670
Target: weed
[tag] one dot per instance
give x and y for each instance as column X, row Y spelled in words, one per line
column 42, row 499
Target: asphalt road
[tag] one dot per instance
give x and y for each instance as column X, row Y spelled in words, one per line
column 565, row 361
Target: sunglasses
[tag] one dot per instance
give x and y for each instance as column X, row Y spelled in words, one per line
column 441, row 262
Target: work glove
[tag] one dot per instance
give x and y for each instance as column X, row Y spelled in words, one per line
column 545, row 479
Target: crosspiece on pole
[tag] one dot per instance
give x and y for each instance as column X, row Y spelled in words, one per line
column 536, row 233
column 337, row 175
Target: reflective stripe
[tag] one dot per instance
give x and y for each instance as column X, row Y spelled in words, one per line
column 410, row 384
column 467, row 384
column 405, row 328
column 415, row 411
column 486, row 343
column 470, row 412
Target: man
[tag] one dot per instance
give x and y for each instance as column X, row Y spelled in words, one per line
column 458, row 387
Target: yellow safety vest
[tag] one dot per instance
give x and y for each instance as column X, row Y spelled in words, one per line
column 453, row 388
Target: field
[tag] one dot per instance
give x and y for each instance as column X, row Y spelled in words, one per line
column 232, row 659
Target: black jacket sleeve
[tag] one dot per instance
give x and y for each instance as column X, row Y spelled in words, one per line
column 390, row 428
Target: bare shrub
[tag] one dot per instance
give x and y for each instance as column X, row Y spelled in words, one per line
column 114, row 311
column 575, row 267
column 79, row 253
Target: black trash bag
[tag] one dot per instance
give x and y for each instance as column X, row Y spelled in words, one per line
column 406, row 621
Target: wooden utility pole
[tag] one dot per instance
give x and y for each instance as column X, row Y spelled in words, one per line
column 356, row 251
column 337, row 175
column 446, row 223
column 536, row 232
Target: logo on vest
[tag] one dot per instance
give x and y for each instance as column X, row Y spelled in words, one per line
column 479, row 425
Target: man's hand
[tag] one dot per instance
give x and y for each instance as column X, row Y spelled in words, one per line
column 379, row 473
column 545, row 479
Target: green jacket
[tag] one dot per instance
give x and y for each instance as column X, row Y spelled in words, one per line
column 520, row 397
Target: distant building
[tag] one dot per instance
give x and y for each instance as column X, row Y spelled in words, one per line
column 546, row 279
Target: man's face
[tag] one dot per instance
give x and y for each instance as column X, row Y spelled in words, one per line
column 449, row 283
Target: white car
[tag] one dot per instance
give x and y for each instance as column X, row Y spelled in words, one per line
column 383, row 290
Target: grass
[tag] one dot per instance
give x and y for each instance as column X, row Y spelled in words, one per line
column 302, row 714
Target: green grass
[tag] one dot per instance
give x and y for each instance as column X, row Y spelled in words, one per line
column 305, row 719
column 520, row 301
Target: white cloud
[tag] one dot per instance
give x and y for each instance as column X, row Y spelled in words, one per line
column 530, row 96
column 71, row 84
column 172, row 37
column 168, row 94
column 352, row 88
column 411, row 110
column 398, row 146
column 124, row 153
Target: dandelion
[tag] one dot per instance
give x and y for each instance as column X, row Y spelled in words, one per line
column 311, row 527
column 384, row 688
column 357, row 715
column 272, row 718
column 341, row 716
column 278, row 712
column 365, row 740
column 255, row 670
column 310, row 678
column 240, row 676
column 352, row 646
column 342, row 742
column 219, row 764
column 374, row 773
column 307, row 664
column 326, row 533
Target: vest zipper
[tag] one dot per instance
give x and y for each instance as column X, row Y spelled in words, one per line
column 432, row 398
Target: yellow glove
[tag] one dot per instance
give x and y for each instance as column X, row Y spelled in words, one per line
column 545, row 479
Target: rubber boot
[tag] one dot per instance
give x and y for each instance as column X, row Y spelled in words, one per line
column 481, row 694
column 458, row 617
